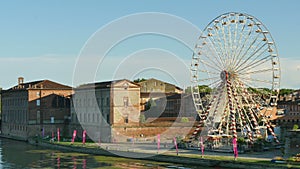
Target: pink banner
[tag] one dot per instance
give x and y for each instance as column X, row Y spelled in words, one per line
column 58, row 135
column 235, row 150
column 74, row 136
column 175, row 143
column 83, row 136
column 158, row 142
column 202, row 146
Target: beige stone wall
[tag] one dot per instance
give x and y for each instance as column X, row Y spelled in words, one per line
column 122, row 134
column 152, row 85
column 125, row 103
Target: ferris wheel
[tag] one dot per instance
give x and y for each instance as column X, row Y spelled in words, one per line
column 235, row 72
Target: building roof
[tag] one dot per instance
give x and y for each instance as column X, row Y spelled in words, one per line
column 105, row 84
column 40, row 84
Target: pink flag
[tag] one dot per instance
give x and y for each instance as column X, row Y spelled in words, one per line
column 83, row 136
column 175, row 143
column 235, row 150
column 84, row 164
column 158, row 142
column 74, row 136
column 58, row 135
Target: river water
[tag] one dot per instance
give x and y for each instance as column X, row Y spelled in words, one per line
column 17, row 154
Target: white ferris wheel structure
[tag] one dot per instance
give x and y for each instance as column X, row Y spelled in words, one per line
column 236, row 59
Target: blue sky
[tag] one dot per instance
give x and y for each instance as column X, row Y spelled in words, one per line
column 42, row 39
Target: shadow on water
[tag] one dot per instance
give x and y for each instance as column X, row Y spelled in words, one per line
column 16, row 154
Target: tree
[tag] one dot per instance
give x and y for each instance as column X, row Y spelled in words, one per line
column 184, row 120
column 283, row 92
column 149, row 104
column 295, row 127
column 142, row 118
column 139, row 80
column 204, row 89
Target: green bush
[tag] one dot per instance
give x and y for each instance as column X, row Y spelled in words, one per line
column 295, row 127
column 185, row 120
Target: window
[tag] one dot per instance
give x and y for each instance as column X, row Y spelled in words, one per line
column 107, row 119
column 125, row 86
column 126, row 119
column 38, row 102
column 52, row 120
column 38, row 94
column 125, row 101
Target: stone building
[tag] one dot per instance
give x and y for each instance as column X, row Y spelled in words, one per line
column 35, row 108
column 173, row 107
column 153, row 89
column 102, row 107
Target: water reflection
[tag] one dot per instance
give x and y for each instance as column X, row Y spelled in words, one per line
column 15, row 154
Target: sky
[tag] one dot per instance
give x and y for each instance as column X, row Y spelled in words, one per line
column 49, row 39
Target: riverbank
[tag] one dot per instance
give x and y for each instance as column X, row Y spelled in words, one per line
column 187, row 158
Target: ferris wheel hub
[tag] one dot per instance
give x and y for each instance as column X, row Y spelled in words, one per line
column 227, row 75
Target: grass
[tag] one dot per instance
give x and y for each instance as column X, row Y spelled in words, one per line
column 197, row 156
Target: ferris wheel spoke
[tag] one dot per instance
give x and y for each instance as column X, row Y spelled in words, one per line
column 217, row 82
column 235, row 46
column 229, row 40
column 244, row 55
column 219, row 65
column 253, row 54
column 208, row 72
column 209, row 65
column 244, row 46
column 217, row 49
column 219, row 45
column 225, row 44
column 256, row 71
column 256, row 63
column 240, row 35
column 256, row 59
column 207, row 79
column 256, row 80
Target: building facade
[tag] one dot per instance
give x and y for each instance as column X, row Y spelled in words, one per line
column 153, row 89
column 35, row 108
column 101, row 107
column 173, row 107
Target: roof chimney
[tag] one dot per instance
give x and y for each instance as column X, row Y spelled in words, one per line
column 20, row 80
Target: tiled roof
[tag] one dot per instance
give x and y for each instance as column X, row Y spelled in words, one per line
column 105, row 84
column 40, row 84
